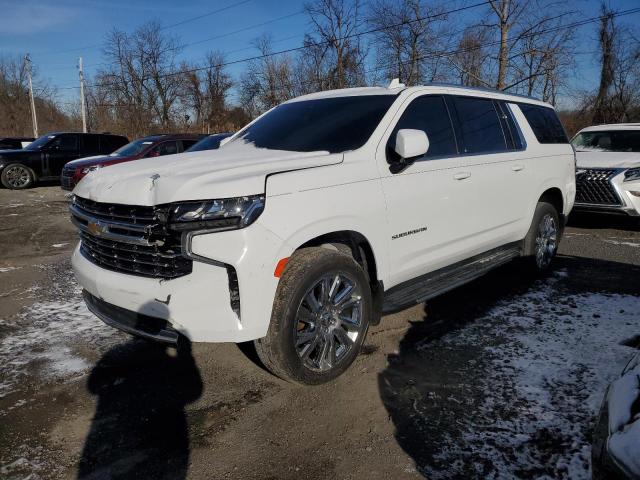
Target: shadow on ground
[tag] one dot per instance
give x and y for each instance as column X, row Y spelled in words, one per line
column 435, row 391
column 140, row 428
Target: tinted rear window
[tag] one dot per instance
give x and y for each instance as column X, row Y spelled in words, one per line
column 329, row 124
column 545, row 123
column 480, row 126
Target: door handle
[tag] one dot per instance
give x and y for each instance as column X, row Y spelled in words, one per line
column 517, row 168
column 462, row 175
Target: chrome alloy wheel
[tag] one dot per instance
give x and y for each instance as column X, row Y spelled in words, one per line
column 546, row 241
column 17, row 176
column 329, row 320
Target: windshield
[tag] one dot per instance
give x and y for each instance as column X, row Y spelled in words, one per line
column 330, row 124
column 608, row 141
column 40, row 142
column 209, row 143
column 132, row 148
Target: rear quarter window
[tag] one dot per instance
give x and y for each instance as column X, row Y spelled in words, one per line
column 545, row 123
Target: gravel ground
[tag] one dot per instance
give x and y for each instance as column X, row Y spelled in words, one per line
column 501, row 378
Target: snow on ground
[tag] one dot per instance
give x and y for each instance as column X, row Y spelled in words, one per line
column 8, row 269
column 551, row 358
column 42, row 337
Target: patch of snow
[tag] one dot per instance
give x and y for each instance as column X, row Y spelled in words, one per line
column 627, row 244
column 8, row 269
column 13, row 205
column 551, row 357
column 43, row 337
column 59, row 245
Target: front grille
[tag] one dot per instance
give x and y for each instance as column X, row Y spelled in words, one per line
column 594, row 187
column 129, row 239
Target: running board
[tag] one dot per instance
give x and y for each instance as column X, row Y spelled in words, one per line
column 435, row 283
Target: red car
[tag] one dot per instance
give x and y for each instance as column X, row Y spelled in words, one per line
column 151, row 146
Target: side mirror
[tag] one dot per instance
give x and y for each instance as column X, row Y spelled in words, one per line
column 411, row 144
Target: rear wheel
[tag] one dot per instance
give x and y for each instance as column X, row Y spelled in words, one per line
column 17, row 176
column 320, row 317
column 541, row 243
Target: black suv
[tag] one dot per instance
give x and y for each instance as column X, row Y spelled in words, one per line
column 44, row 158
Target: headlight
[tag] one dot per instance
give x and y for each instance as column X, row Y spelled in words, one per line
column 91, row 168
column 632, row 174
column 224, row 214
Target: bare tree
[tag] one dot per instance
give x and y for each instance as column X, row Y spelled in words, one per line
column 14, row 101
column 409, row 39
column 339, row 55
column 267, row 81
column 205, row 93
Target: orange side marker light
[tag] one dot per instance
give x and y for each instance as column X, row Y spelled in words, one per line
column 280, row 267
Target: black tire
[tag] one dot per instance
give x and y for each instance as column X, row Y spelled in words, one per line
column 295, row 317
column 543, row 238
column 16, row 176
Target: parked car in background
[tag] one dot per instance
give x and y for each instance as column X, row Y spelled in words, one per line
column 321, row 215
column 14, row 143
column 608, row 168
column 210, row 142
column 44, row 158
column 151, row 146
column 616, row 439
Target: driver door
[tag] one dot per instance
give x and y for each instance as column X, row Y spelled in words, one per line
column 426, row 203
column 61, row 150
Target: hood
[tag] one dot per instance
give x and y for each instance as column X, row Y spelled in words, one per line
column 234, row 170
column 95, row 160
column 607, row 159
column 23, row 155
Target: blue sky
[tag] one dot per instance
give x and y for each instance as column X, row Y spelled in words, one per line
column 57, row 32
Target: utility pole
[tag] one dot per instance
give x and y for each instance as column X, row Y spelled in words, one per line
column 82, row 102
column 34, row 118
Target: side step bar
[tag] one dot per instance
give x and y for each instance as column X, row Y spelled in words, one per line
column 440, row 281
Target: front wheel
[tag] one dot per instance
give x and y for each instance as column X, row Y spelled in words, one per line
column 17, row 176
column 543, row 238
column 320, row 317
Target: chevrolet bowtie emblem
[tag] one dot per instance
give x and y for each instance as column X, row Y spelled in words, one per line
column 95, row 228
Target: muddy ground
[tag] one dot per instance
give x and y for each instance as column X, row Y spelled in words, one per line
column 501, row 378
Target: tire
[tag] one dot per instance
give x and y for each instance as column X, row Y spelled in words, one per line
column 311, row 340
column 543, row 238
column 16, row 176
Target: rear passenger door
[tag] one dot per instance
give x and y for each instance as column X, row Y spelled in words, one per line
column 494, row 169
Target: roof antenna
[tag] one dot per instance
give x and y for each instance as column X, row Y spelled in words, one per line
column 395, row 83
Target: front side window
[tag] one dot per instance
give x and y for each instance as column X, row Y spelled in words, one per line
column 65, row 143
column 545, row 123
column 429, row 114
column 165, row 148
column 333, row 125
column 479, row 124
column 608, row 141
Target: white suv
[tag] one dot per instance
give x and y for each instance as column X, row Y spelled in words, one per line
column 608, row 173
column 321, row 215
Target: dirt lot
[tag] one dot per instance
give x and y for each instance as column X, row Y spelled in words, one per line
column 501, row 378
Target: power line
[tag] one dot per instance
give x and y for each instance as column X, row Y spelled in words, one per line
column 308, row 45
column 204, row 15
column 166, row 27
